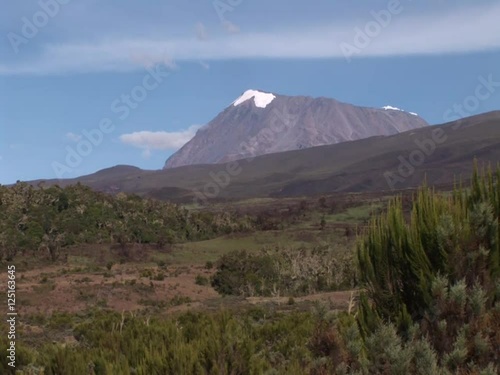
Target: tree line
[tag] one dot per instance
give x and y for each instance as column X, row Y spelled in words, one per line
column 45, row 221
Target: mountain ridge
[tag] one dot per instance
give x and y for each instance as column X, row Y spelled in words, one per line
column 259, row 123
column 345, row 167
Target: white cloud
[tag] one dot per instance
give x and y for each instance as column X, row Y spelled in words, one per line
column 73, row 137
column 462, row 30
column 148, row 140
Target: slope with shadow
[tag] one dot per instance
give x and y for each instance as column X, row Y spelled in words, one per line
column 439, row 155
column 371, row 164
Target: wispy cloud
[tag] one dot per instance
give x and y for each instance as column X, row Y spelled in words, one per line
column 464, row 30
column 162, row 140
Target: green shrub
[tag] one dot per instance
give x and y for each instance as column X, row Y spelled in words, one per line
column 201, row 280
column 160, row 276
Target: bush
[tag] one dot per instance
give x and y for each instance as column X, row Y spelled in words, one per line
column 160, row 276
column 240, row 273
column 201, row 280
column 283, row 271
column 147, row 273
column 456, row 236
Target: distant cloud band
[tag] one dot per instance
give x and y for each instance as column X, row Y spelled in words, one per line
column 465, row 30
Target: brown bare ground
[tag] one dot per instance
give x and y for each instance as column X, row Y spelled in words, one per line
column 57, row 288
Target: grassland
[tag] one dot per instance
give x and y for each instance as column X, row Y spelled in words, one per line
column 281, row 296
column 98, row 276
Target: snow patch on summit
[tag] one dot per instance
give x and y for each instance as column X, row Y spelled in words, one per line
column 390, row 108
column 261, row 99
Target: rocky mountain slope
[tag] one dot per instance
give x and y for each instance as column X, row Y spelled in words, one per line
column 259, row 123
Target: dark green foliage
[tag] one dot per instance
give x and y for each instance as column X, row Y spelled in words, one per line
column 242, row 273
column 202, row 280
column 46, row 221
column 322, row 223
column 437, row 279
column 456, row 236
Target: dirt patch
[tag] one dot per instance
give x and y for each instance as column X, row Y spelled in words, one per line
column 124, row 287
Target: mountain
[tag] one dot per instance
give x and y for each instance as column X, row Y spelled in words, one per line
column 438, row 153
column 259, row 123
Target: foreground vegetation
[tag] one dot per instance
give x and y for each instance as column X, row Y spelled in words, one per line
column 429, row 304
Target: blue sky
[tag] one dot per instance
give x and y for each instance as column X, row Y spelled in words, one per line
column 67, row 66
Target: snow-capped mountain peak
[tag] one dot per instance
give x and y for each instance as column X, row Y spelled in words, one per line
column 261, row 99
column 244, row 130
